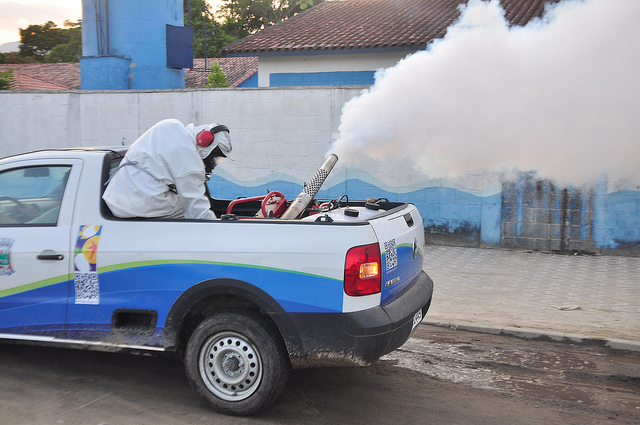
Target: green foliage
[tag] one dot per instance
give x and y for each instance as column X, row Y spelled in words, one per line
column 214, row 35
column 306, row 3
column 5, row 79
column 15, row 57
column 254, row 15
column 234, row 29
column 67, row 52
column 39, row 40
column 3, row 58
column 216, row 77
column 236, row 19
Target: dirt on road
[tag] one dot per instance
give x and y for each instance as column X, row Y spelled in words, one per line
column 440, row 376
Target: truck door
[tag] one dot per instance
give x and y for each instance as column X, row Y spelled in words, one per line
column 36, row 203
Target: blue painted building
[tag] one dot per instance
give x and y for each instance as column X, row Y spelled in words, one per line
column 138, row 44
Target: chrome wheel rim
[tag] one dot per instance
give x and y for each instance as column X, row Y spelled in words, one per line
column 230, row 366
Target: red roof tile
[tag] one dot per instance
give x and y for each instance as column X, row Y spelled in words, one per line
column 237, row 70
column 22, row 81
column 45, row 76
column 367, row 24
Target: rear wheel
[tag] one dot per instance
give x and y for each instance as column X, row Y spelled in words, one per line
column 237, row 363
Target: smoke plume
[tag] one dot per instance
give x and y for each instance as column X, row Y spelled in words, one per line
column 560, row 96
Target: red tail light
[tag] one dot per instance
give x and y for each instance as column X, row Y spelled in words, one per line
column 362, row 272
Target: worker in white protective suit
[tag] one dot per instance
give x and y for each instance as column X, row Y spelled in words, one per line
column 163, row 172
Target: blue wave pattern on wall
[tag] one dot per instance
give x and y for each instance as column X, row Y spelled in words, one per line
column 526, row 213
column 446, row 212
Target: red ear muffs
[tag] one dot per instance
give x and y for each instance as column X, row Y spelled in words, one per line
column 204, row 139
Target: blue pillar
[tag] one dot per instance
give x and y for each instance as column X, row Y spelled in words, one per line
column 124, row 44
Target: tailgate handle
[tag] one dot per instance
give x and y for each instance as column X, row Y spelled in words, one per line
column 408, row 219
column 56, row 257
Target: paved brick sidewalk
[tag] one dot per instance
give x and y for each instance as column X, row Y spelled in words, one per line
column 533, row 294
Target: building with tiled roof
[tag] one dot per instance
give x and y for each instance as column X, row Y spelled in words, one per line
column 343, row 42
column 44, row 76
column 240, row 72
column 22, row 81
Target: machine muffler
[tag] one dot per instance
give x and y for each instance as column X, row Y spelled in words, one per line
column 310, row 189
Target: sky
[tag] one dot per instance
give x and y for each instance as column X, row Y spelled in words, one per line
column 559, row 96
column 22, row 13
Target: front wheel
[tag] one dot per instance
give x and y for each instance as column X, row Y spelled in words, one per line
column 237, row 363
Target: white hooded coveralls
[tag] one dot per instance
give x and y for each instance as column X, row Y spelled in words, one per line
column 166, row 154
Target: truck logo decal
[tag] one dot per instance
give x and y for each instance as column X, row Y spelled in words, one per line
column 85, row 264
column 392, row 281
column 5, row 257
column 391, row 253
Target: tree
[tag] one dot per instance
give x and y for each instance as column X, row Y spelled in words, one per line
column 71, row 51
column 5, row 79
column 214, row 35
column 14, row 57
column 216, row 77
column 236, row 19
column 235, row 30
column 254, row 15
column 39, row 40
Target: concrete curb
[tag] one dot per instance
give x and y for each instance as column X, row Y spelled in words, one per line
column 527, row 333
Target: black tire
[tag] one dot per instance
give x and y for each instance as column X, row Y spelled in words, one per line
column 236, row 363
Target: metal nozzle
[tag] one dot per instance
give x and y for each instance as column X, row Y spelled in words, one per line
column 310, row 190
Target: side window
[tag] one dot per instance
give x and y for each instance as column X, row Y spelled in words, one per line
column 32, row 195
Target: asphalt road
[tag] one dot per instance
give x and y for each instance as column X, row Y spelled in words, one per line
column 440, row 376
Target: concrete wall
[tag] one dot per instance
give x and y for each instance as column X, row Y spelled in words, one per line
column 281, row 136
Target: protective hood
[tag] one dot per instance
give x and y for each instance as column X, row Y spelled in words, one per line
column 221, row 138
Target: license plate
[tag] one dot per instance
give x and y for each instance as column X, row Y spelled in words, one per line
column 417, row 318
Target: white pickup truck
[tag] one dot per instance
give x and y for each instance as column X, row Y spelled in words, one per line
column 270, row 285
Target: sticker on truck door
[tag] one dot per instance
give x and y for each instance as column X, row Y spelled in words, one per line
column 391, row 253
column 5, row 257
column 85, row 264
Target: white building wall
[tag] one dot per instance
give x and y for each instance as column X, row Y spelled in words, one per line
column 268, row 65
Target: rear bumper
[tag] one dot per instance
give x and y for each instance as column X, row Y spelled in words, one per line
column 360, row 337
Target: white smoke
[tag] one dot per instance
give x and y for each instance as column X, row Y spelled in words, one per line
column 560, row 96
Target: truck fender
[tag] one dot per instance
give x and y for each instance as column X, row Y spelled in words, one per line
column 239, row 290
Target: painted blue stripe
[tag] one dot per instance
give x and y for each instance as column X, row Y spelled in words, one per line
column 156, row 287
column 40, row 311
column 289, row 79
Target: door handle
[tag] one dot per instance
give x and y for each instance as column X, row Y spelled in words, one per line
column 56, row 257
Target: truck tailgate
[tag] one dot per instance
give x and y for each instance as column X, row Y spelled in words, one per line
column 401, row 237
